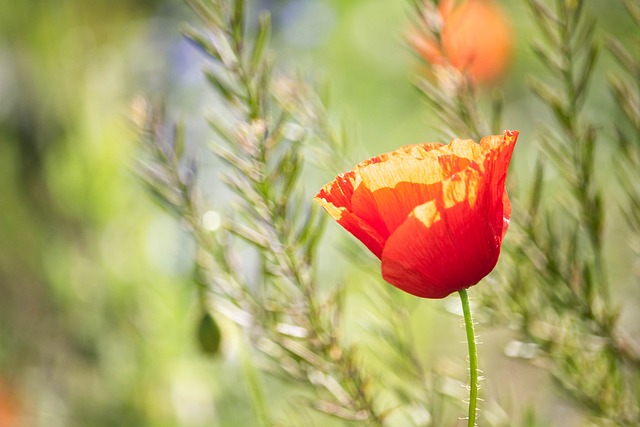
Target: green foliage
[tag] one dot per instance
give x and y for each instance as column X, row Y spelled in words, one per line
column 625, row 90
column 557, row 285
column 554, row 288
column 91, row 330
column 261, row 140
column 98, row 324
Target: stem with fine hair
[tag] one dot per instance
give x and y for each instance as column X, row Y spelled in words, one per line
column 473, row 358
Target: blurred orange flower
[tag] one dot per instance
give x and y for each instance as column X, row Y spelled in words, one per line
column 434, row 214
column 475, row 37
column 9, row 410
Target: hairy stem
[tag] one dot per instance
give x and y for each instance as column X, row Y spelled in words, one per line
column 473, row 358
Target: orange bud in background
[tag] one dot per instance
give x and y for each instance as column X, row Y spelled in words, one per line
column 434, row 214
column 476, row 37
column 9, row 408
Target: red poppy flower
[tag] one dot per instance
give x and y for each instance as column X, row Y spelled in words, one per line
column 476, row 37
column 434, row 214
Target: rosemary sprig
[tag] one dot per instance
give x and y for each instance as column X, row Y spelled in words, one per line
column 558, row 287
column 261, row 139
column 625, row 87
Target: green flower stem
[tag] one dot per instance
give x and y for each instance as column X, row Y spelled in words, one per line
column 473, row 358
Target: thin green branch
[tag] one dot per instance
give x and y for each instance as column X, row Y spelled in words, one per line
column 262, row 166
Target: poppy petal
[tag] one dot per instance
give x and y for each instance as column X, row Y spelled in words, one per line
column 336, row 199
column 346, row 191
column 339, row 191
column 496, row 166
column 401, row 183
column 444, row 245
column 506, row 213
column 362, row 231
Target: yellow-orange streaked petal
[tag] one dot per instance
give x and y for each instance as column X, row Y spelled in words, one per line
column 362, row 231
column 363, row 203
column 339, row 191
column 464, row 148
column 412, row 176
column 496, row 165
column 447, row 246
column 396, row 203
column 336, row 199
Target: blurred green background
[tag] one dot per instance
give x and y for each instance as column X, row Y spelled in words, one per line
column 97, row 308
